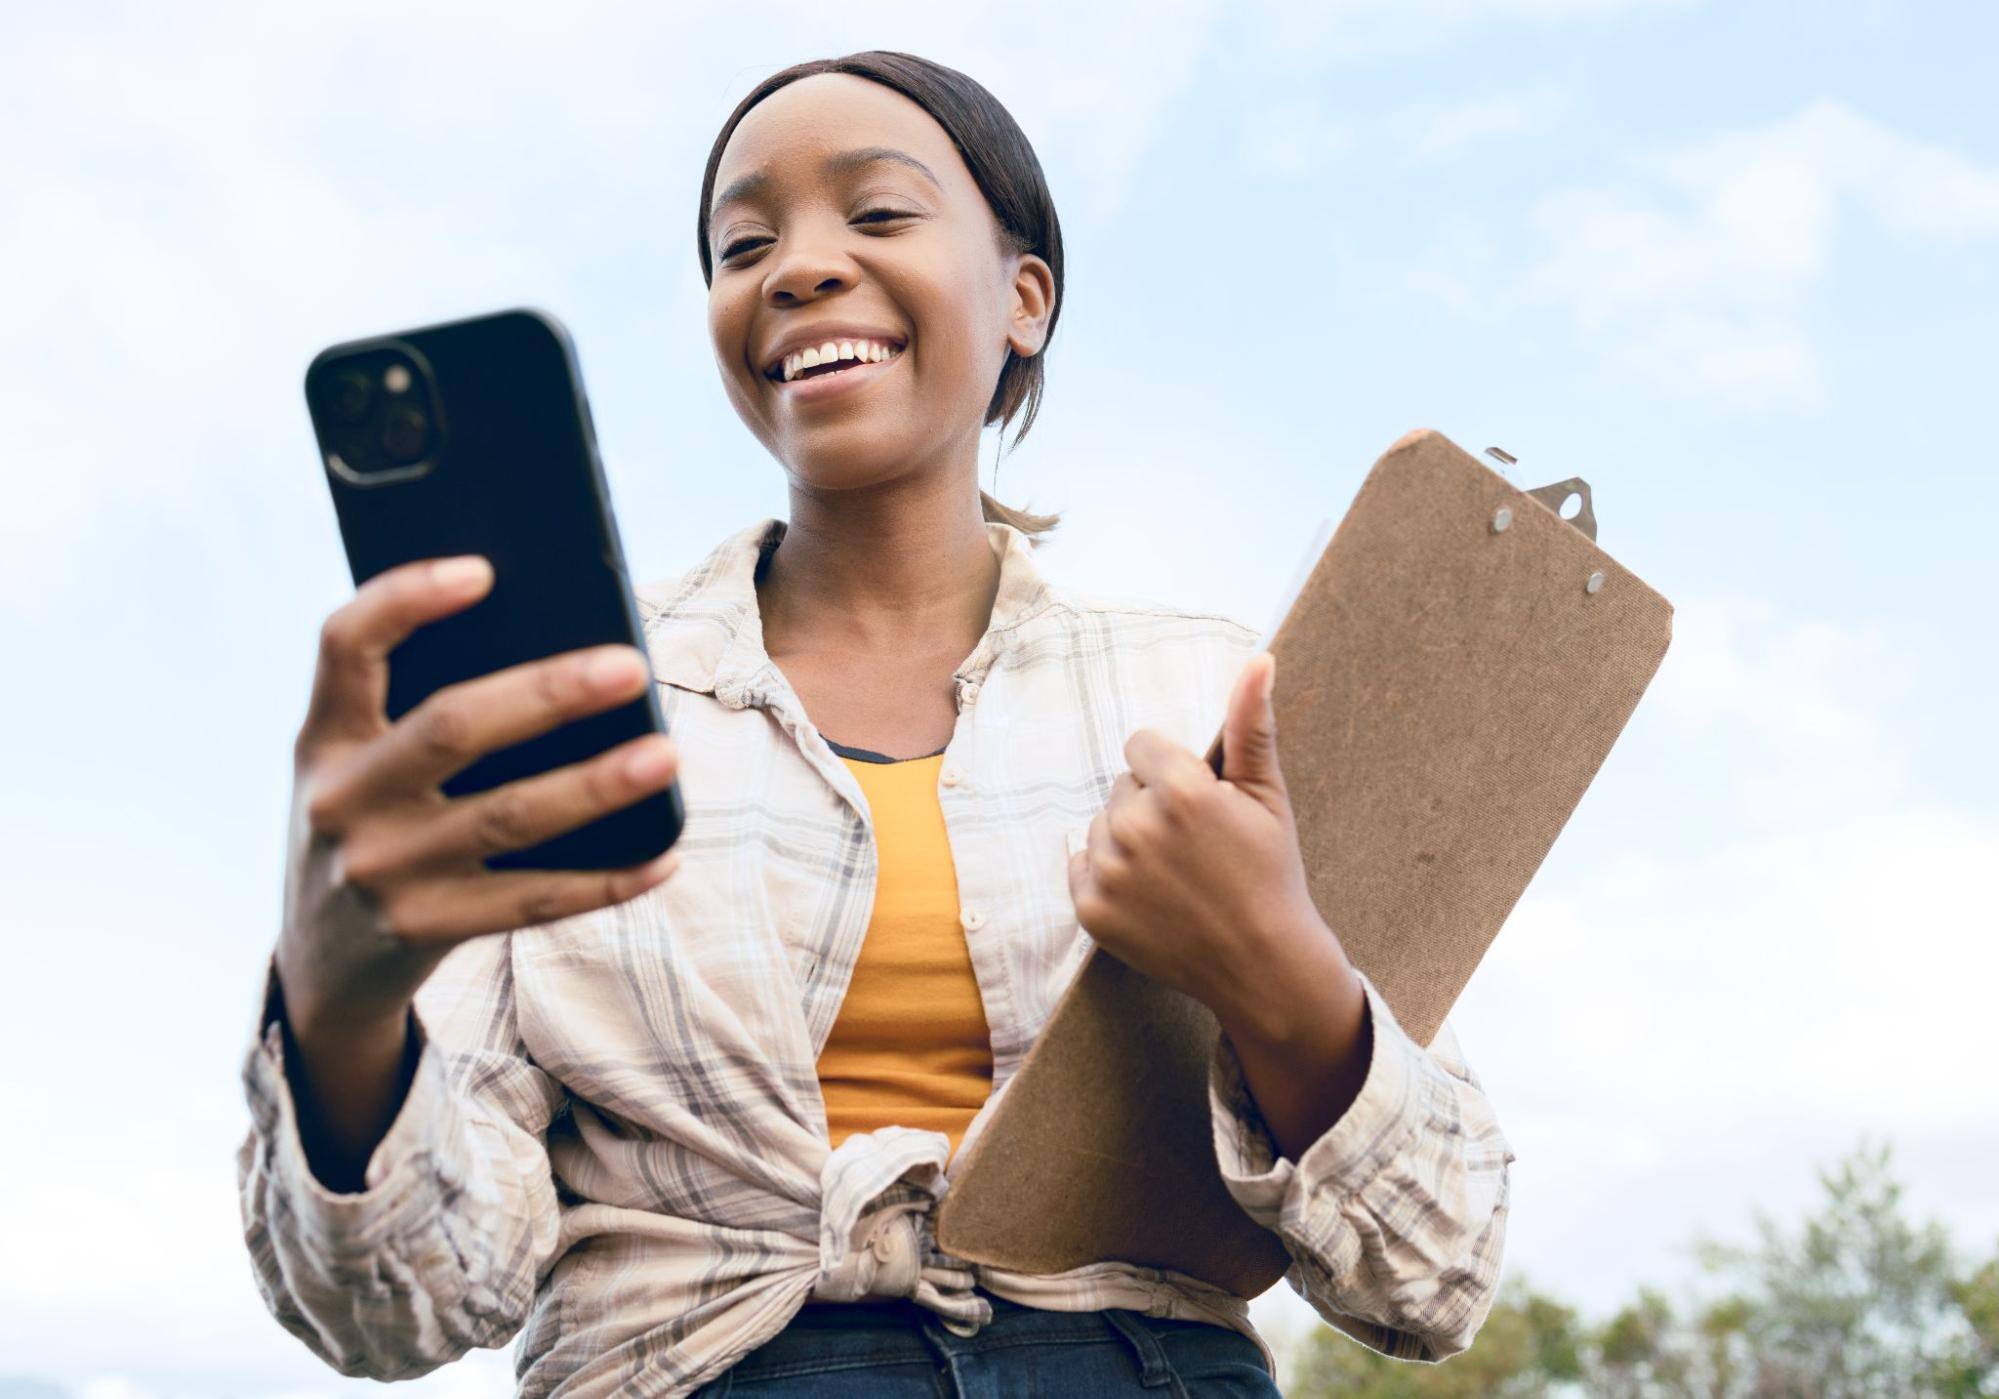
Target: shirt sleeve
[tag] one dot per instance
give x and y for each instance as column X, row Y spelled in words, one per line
column 1395, row 1219
column 443, row 1248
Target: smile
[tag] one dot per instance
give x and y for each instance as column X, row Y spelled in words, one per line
column 831, row 356
column 835, row 382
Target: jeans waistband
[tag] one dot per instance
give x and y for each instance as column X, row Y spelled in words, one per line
column 899, row 1331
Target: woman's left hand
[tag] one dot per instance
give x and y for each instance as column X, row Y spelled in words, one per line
column 1196, row 880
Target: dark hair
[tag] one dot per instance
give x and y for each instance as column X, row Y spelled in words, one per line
column 1003, row 163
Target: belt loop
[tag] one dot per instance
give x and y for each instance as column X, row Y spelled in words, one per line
column 945, row 1348
column 1153, row 1369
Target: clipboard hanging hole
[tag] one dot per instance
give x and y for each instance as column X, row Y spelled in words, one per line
column 1570, row 500
column 1595, row 584
column 1501, row 518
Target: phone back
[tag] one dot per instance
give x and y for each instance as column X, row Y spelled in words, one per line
column 474, row 437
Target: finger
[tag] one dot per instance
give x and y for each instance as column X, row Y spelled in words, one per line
column 1249, row 748
column 1079, row 876
column 1129, row 815
column 1108, row 859
column 1157, row 761
column 1086, row 891
column 460, row 723
column 451, row 910
column 350, row 688
column 534, row 809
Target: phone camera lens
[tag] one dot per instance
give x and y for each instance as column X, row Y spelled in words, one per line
column 350, row 397
column 406, row 435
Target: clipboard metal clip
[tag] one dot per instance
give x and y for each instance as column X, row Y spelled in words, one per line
column 1556, row 495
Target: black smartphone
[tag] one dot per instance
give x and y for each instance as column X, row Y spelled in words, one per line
column 474, row 437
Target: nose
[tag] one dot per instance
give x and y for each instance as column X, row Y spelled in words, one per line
column 805, row 270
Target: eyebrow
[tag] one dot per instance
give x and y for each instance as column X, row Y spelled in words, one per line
column 839, row 163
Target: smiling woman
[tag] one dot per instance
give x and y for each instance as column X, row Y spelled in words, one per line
column 690, row 1139
column 962, row 176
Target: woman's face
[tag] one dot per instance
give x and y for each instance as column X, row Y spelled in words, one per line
column 816, row 235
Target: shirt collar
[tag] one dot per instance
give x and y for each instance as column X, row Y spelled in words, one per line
column 704, row 630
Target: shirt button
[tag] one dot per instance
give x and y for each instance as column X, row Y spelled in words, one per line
column 969, row 693
column 950, row 777
column 973, row 919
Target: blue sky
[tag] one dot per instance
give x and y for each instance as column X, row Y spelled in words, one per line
column 1736, row 264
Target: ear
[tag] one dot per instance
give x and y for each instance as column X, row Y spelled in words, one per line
column 1033, row 306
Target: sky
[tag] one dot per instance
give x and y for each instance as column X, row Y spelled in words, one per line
column 1736, row 264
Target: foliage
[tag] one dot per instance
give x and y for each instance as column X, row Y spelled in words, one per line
column 1855, row 1302
column 1528, row 1344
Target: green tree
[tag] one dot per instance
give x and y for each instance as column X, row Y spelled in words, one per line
column 1854, row 1302
column 1528, row 1347
column 1859, row 1301
column 1969, row 1365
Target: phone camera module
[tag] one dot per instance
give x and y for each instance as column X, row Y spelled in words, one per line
column 405, row 435
column 378, row 415
column 351, row 397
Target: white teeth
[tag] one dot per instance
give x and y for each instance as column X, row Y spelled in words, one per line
column 864, row 351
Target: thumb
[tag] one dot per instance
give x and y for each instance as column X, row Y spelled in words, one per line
column 1249, row 734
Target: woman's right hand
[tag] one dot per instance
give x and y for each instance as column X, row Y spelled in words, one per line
column 385, row 873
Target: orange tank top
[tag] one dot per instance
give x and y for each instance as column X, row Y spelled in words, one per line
column 910, row 1047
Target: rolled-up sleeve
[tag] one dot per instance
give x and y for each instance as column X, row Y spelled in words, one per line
column 1395, row 1218
column 442, row 1249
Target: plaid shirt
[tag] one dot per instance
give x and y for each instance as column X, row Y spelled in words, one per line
column 615, row 1144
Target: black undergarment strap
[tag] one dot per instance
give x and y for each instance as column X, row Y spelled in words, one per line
column 868, row 755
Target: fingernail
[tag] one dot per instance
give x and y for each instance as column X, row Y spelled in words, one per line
column 650, row 763
column 462, row 573
column 612, row 669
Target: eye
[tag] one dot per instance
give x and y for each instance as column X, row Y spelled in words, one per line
column 876, row 215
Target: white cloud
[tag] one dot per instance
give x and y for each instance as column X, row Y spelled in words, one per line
column 1798, row 167
column 254, row 185
column 1701, row 266
column 1290, row 39
column 1842, row 973
column 1297, row 137
column 1695, row 1028
column 1439, row 129
column 1813, row 700
column 1836, row 953
column 1293, row 138
column 1459, row 266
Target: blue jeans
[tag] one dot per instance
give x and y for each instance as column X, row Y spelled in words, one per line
column 898, row 1350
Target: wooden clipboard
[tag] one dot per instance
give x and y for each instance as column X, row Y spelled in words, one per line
column 1451, row 675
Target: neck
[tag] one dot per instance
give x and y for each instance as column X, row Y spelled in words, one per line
column 903, row 570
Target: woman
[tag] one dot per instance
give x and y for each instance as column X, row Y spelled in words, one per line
column 683, row 1126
